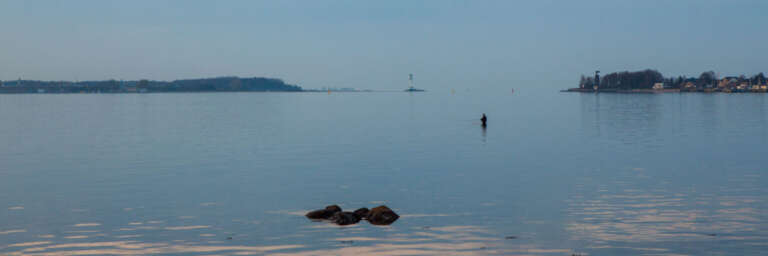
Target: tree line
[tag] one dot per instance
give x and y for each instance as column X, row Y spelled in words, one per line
column 646, row 79
column 223, row 84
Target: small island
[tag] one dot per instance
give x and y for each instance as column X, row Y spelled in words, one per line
column 217, row 84
column 651, row 81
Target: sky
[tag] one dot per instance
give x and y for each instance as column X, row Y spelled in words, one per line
column 376, row 44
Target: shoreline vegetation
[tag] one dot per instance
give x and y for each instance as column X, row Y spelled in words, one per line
column 335, row 89
column 216, row 84
column 651, row 81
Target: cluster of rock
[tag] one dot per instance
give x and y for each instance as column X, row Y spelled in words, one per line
column 381, row 215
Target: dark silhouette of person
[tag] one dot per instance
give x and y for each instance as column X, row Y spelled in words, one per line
column 484, row 119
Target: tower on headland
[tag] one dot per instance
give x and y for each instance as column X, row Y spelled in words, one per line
column 597, row 80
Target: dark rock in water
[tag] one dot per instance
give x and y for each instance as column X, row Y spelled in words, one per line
column 317, row 214
column 333, row 208
column 382, row 215
column 362, row 212
column 345, row 218
column 510, row 237
column 324, row 213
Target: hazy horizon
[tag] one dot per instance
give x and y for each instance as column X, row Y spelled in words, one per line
column 374, row 45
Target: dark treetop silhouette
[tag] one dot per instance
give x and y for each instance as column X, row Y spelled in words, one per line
column 218, row 84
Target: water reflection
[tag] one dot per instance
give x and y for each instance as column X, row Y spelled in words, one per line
column 136, row 248
column 484, row 127
column 164, row 182
column 445, row 240
column 347, row 240
column 629, row 218
column 633, row 116
column 5, row 232
column 87, row 225
column 187, row 227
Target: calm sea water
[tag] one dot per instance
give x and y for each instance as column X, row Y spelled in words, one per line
column 558, row 173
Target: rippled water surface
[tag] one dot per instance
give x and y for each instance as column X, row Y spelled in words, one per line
column 233, row 173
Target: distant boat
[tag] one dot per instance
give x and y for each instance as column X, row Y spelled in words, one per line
column 411, row 88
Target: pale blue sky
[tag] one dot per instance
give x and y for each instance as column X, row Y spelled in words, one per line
column 375, row 44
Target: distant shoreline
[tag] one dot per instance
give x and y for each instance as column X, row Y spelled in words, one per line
column 217, row 84
column 169, row 92
column 701, row 90
column 651, row 81
column 202, row 85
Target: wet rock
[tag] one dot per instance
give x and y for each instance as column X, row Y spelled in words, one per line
column 345, row 218
column 326, row 213
column 362, row 212
column 382, row 215
column 333, row 208
column 510, row 237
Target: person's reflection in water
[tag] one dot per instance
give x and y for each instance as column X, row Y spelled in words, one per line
column 484, row 124
column 484, row 128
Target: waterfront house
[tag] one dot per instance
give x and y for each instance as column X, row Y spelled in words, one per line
column 658, row 86
column 729, row 82
column 722, row 83
column 689, row 86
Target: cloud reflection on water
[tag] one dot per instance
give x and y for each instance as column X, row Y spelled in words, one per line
column 444, row 240
column 354, row 240
column 87, row 225
column 629, row 218
column 12, row 231
column 187, row 227
column 140, row 248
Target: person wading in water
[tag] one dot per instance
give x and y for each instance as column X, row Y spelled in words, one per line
column 484, row 119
